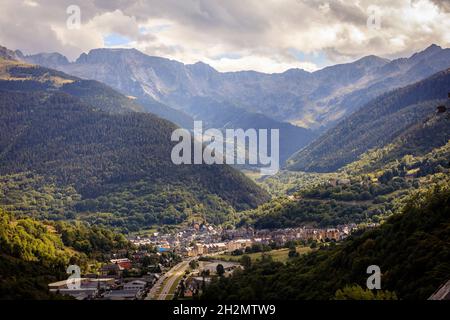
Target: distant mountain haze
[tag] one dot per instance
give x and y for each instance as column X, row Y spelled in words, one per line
column 157, row 83
column 248, row 99
column 406, row 117
column 224, row 115
column 316, row 100
column 313, row 100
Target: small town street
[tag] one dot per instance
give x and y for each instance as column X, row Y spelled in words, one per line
column 161, row 289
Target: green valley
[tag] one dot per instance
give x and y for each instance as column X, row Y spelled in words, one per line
column 82, row 152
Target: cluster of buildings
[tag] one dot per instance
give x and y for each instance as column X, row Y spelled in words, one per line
column 200, row 249
column 125, row 278
column 201, row 239
column 169, row 241
column 281, row 236
column 121, row 278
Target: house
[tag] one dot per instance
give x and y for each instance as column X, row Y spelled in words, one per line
column 333, row 234
column 233, row 245
column 220, row 246
column 135, row 285
column 198, row 249
column 244, row 243
column 116, row 267
column 190, row 251
column 86, row 288
column 79, row 294
column 124, row 263
column 112, row 269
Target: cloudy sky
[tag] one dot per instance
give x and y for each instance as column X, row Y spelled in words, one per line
column 230, row 35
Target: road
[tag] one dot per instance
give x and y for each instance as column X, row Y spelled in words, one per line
column 167, row 281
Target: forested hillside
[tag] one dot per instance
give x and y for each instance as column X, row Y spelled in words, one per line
column 367, row 190
column 411, row 249
column 31, row 256
column 19, row 76
column 406, row 115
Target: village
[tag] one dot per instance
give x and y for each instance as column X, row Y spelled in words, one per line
column 203, row 239
column 180, row 263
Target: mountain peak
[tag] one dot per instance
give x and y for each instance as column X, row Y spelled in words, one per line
column 371, row 60
column 49, row 60
column 433, row 47
column 200, row 63
column 294, row 72
column 200, row 66
column 5, row 53
column 99, row 54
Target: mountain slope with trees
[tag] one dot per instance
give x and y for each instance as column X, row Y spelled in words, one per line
column 365, row 191
column 82, row 134
column 407, row 115
column 35, row 253
column 224, row 115
column 411, row 248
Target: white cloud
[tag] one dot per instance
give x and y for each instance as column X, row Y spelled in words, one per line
column 30, row 3
column 265, row 64
column 260, row 33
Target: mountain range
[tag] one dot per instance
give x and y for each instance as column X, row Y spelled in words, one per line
column 309, row 99
column 173, row 91
column 301, row 104
column 182, row 93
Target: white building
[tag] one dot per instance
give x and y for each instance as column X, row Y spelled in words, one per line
column 135, row 285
